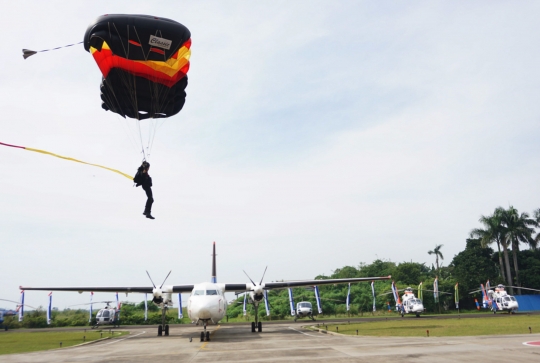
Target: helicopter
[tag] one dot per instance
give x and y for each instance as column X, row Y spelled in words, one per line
column 411, row 304
column 498, row 299
column 109, row 315
column 304, row 309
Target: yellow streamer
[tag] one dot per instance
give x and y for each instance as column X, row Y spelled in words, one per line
column 79, row 161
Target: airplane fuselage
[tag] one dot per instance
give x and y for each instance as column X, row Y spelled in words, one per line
column 207, row 303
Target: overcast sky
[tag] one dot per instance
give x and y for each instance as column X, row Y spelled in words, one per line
column 315, row 135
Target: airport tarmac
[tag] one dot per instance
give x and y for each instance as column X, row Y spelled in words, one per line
column 286, row 342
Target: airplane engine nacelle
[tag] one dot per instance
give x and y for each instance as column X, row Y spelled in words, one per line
column 256, row 297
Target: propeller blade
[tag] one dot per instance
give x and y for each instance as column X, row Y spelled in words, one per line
column 165, row 279
column 150, row 279
column 249, row 278
column 263, row 275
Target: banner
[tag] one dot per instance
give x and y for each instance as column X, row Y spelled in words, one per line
column 244, row 309
column 117, row 302
column 318, row 298
column 145, row 307
column 373, row 292
column 456, row 295
column 21, row 306
column 49, row 309
column 266, row 303
column 180, row 314
column 421, row 291
column 396, row 294
column 436, row 289
column 349, row 298
column 91, row 305
column 291, row 302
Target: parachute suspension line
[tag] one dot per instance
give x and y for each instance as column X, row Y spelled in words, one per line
column 28, row 53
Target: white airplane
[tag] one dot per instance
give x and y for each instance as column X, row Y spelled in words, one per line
column 207, row 303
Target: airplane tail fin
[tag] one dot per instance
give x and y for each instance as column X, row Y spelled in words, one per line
column 214, row 278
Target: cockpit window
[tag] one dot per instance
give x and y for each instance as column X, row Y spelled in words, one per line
column 105, row 313
column 198, row 292
column 305, row 305
column 512, row 298
column 211, row 292
column 506, row 298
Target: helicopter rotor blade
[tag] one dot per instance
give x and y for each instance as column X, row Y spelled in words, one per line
column 165, row 279
column 150, row 279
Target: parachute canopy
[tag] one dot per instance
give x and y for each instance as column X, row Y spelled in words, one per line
column 144, row 61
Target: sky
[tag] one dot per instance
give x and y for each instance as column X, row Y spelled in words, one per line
column 315, row 135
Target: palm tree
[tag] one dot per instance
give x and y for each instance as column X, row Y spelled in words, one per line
column 494, row 232
column 437, row 252
column 518, row 229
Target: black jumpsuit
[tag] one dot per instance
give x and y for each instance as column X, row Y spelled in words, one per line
column 147, row 186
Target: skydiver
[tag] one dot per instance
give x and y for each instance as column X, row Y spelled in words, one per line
column 144, row 179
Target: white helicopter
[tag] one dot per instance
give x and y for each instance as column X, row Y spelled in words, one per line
column 411, row 304
column 498, row 299
column 303, row 310
column 207, row 303
column 109, row 315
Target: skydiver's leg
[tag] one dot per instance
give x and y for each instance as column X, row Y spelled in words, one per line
column 149, row 202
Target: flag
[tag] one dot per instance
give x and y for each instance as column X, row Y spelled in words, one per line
column 436, row 289
column 49, row 308
column 373, row 292
column 117, row 302
column 180, row 315
column 21, row 306
column 145, row 307
column 318, row 298
column 291, row 302
column 456, row 295
column 244, row 309
column 349, row 298
column 421, row 291
column 91, row 305
column 488, row 286
column 396, row 294
column 266, row 303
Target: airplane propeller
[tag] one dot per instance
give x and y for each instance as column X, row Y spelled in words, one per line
column 156, row 291
column 258, row 290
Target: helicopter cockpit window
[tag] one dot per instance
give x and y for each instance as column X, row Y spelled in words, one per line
column 506, row 298
column 305, row 305
column 99, row 314
column 105, row 313
column 198, row 292
column 513, row 298
column 418, row 301
column 211, row 292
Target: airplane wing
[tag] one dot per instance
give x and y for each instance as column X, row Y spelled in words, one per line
column 287, row 284
column 123, row 289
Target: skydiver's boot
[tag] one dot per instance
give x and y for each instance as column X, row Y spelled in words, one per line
column 149, row 216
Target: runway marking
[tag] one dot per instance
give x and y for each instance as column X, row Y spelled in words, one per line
column 119, row 340
column 301, row 332
column 533, row 344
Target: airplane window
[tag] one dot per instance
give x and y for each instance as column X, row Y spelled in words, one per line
column 198, row 292
column 211, row 292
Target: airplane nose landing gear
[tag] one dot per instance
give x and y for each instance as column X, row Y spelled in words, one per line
column 205, row 334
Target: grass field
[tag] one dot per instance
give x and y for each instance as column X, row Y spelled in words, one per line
column 23, row 342
column 508, row 324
